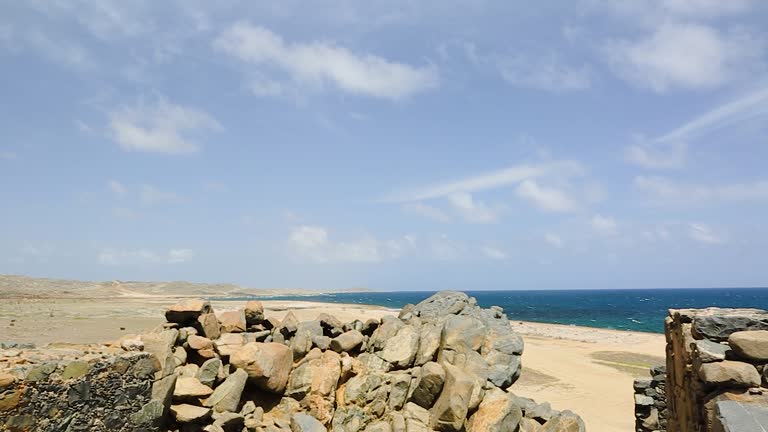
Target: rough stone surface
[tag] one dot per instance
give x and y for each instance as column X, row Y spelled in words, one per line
column 496, row 413
column 450, row 409
column 347, row 341
column 718, row 324
column 232, row 321
column 268, row 365
column 254, row 312
column 227, row 395
column 187, row 311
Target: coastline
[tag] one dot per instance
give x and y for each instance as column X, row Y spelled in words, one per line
column 588, row 370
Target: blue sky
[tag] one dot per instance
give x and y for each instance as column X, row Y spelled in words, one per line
column 386, row 144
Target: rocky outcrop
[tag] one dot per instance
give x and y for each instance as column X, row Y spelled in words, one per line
column 651, row 401
column 445, row 364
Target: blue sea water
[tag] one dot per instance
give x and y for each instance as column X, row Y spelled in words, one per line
column 626, row 309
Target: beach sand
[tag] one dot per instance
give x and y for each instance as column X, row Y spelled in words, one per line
column 586, row 370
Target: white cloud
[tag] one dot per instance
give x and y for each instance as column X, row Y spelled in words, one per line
column 117, row 257
column 545, row 198
column 151, row 195
column 684, row 55
column 604, row 225
column 319, row 63
column 668, row 150
column 546, row 72
column 489, row 180
column 263, row 86
column 493, row 253
column 554, row 240
column 313, row 243
column 427, row 211
column 116, row 187
column 704, row 234
column 161, row 127
column 471, row 210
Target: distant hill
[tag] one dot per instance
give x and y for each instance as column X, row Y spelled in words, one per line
column 17, row 286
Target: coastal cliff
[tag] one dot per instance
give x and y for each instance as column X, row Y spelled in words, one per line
column 445, row 364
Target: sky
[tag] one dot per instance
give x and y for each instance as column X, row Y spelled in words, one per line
column 392, row 145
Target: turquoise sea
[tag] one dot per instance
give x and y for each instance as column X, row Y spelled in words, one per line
column 626, row 309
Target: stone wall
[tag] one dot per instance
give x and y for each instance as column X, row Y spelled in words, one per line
column 445, row 364
column 651, row 401
column 57, row 393
column 716, row 370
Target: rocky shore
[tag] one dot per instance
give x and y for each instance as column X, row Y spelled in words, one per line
column 442, row 365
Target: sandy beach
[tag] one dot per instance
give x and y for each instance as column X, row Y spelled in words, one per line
column 586, row 370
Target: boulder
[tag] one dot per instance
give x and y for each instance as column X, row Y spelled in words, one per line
column 729, row 373
column 254, row 313
column 289, row 324
column 210, row 371
column 6, row 380
column 400, row 350
column 388, row 328
column 331, row 326
column 187, row 311
column 232, row 321
column 718, row 324
column 429, row 385
column 416, row 418
column 199, row 342
column 268, row 365
column 441, row 304
column 229, row 343
column 566, row 421
column 305, row 423
column 707, row 351
column 347, row 341
column 227, row 395
column 496, row 413
column 463, row 333
column 400, row 382
column 450, row 409
column 750, row 345
column 209, row 326
column 161, row 345
column 529, row 425
column 429, row 342
column 190, row 387
column 316, row 375
column 186, row 413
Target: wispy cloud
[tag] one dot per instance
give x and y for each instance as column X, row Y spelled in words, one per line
column 160, row 127
column 472, row 210
column 314, row 243
column 426, row 211
column 668, row 150
column 554, row 240
column 662, row 189
column 684, row 55
column 545, row 198
column 116, row 187
column 494, row 253
column 489, row 180
column 319, row 63
column 702, row 233
column 547, row 72
column 604, row 225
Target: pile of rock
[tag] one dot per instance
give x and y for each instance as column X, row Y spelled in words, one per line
column 716, row 369
column 651, row 401
column 445, row 364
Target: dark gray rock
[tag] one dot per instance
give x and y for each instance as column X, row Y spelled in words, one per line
column 708, row 351
column 719, row 324
column 733, row 416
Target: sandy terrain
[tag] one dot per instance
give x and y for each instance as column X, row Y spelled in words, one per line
column 586, row 370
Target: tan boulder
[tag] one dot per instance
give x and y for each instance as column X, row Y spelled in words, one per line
column 729, row 374
column 186, row 413
column 347, row 341
column 400, row 350
column 751, row 345
column 199, row 342
column 566, row 421
column 267, row 364
column 254, row 312
column 187, row 310
column 496, row 413
column 450, row 410
column 229, row 343
column 227, row 395
column 189, row 387
column 209, row 325
column 232, row 321
column 6, row 380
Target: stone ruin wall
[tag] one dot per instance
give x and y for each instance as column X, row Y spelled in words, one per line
column 651, row 410
column 442, row 365
column 716, row 370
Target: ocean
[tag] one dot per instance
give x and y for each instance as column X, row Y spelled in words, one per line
column 626, row 309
